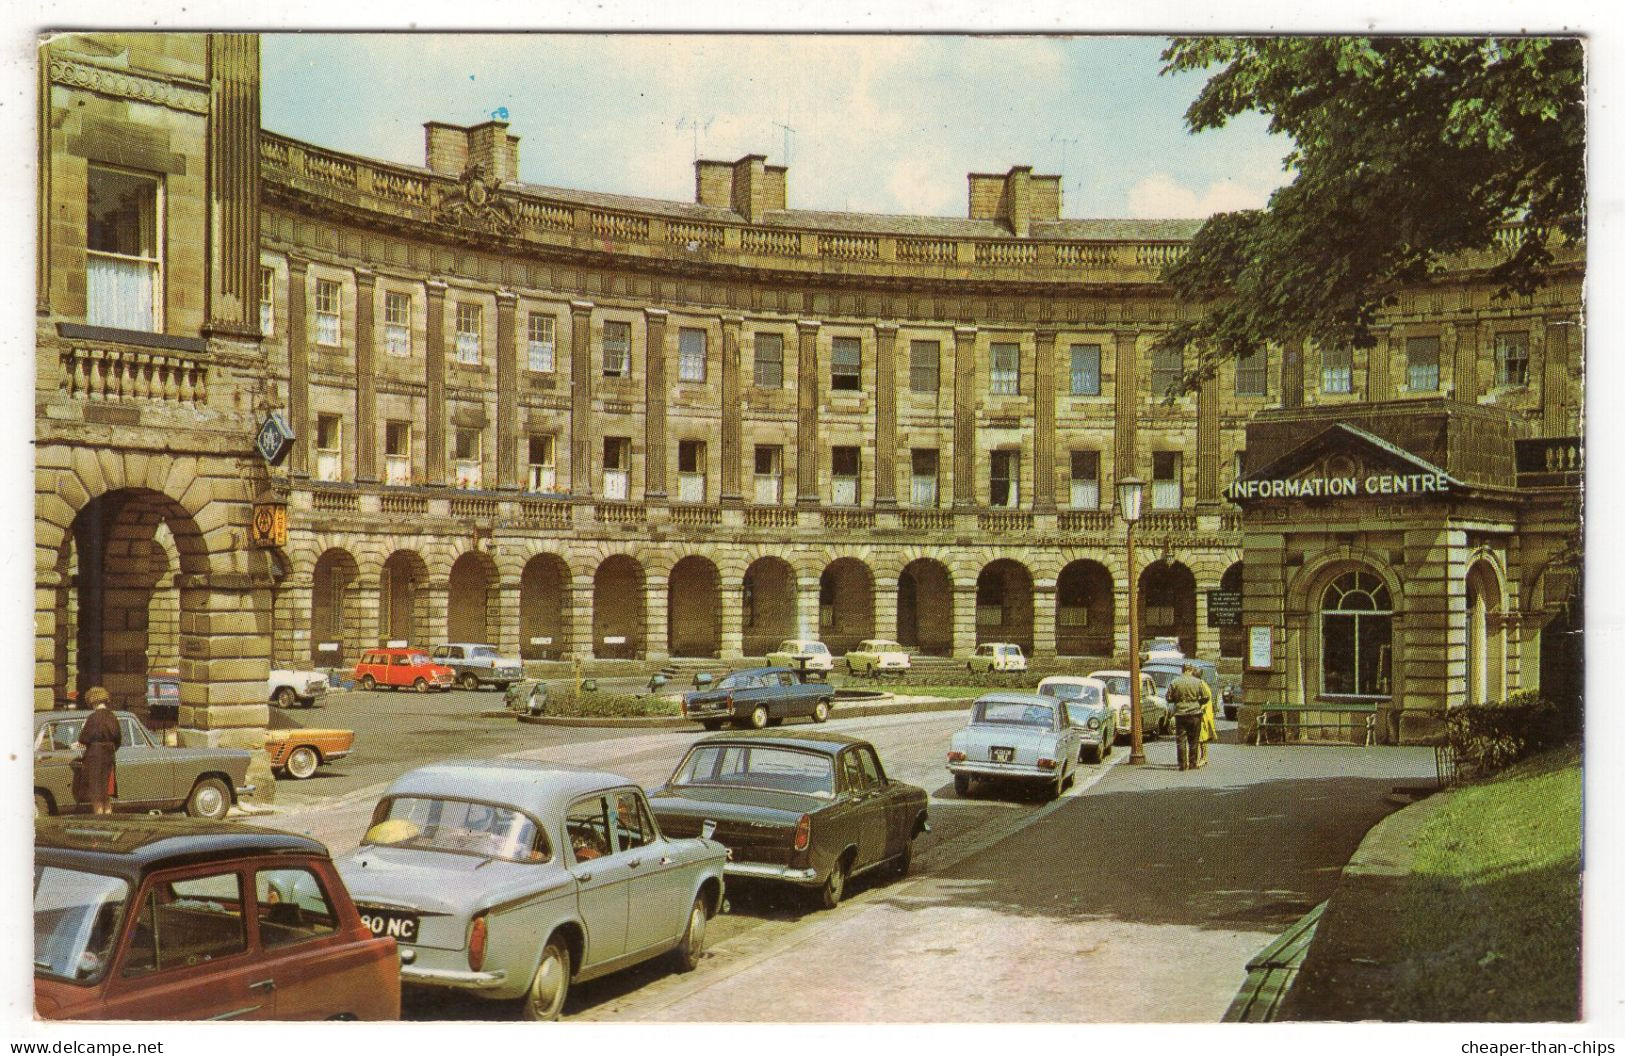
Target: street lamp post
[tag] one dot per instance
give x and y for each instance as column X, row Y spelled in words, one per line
column 1130, row 492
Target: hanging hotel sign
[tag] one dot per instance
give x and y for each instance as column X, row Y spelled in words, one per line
column 274, row 439
column 269, row 527
column 1341, row 487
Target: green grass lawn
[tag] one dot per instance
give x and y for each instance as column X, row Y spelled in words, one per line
column 1489, row 920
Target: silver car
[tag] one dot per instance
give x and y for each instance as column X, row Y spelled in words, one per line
column 1016, row 736
column 515, row 878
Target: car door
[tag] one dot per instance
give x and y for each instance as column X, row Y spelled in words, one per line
column 53, row 760
column 300, row 949
column 145, row 772
column 602, row 876
column 892, row 799
column 661, row 885
column 868, row 808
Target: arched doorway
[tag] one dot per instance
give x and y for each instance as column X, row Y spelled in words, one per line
column 1486, row 635
column 471, row 598
column 402, row 603
column 544, row 608
column 925, row 607
column 1083, row 610
column 693, row 627
column 846, row 604
column 1004, row 604
column 1232, row 640
column 769, row 606
column 617, row 609
column 1168, row 604
column 1356, row 636
column 330, row 618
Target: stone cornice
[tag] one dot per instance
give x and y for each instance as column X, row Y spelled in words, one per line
column 173, row 93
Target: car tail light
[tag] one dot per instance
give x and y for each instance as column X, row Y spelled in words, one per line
column 956, row 757
column 685, row 707
column 1046, row 764
column 803, row 832
column 476, row 943
column 728, row 702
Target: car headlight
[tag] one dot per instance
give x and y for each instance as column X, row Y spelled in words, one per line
column 1094, row 724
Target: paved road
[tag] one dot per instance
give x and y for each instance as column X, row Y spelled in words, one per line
column 1144, row 885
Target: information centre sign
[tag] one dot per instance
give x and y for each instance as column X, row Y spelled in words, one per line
column 1385, row 484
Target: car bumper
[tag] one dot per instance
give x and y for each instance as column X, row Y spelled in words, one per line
column 245, row 790
column 451, row 977
column 1006, row 771
column 763, row 871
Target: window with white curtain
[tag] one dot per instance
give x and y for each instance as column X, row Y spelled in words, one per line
column 1004, row 374
column 542, row 459
column 329, row 447
column 690, row 354
column 769, row 462
column 1086, row 480
column 470, row 333
column 398, row 453
column 922, row 489
column 617, row 349
column 123, row 257
column 397, row 323
column 328, row 312
column 1004, row 479
column 691, row 471
column 1337, row 369
column 617, row 466
column 470, row 458
column 539, row 336
column 844, row 476
column 1166, row 492
column 267, row 304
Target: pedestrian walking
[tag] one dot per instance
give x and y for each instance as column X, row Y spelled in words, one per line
column 100, row 738
column 1186, row 694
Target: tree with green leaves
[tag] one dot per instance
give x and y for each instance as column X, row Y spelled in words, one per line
column 1405, row 152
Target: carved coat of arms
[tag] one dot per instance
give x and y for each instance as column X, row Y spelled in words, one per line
column 476, row 203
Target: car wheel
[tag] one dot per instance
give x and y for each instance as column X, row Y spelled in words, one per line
column 821, row 711
column 302, row 762
column 901, row 863
column 545, row 999
column 1053, row 789
column 1094, row 753
column 421, row 685
column 758, row 718
column 210, row 799
column 961, row 784
column 970, row 668
column 470, row 682
column 1230, row 714
column 712, row 724
column 285, row 697
column 42, row 805
column 368, row 684
column 834, row 889
column 693, row 944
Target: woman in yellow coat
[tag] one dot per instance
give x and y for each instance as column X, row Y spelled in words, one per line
column 1210, row 732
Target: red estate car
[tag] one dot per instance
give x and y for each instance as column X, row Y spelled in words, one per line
column 161, row 918
column 402, row 668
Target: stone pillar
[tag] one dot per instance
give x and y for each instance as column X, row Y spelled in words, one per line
column 1208, row 468
column 366, row 380
column 581, row 482
column 964, row 418
column 1554, row 376
column 234, row 184
column 965, row 617
column 225, row 659
column 1378, row 360
column 732, row 456
column 580, row 606
column 1292, row 366
column 656, row 618
column 507, row 606
column 434, row 375
column 507, row 355
column 1044, row 619
column 1465, row 366
column 807, row 415
column 298, row 367
column 731, row 621
column 1044, row 353
column 885, row 597
column 1207, row 638
column 366, row 616
column 654, row 405
column 435, row 602
column 290, row 620
column 1127, row 384
column 807, row 605
column 886, row 417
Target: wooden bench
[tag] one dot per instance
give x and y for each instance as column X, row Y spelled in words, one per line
column 1361, row 721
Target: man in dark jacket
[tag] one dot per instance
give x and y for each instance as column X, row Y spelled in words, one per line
column 1186, row 694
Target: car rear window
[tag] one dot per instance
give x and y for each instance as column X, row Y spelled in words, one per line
column 460, row 826
column 755, row 766
column 76, row 919
column 1014, row 713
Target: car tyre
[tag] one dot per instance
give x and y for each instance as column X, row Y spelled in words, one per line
column 544, row 1001
column 759, row 717
column 285, row 697
column 962, row 785
column 469, row 682
column 368, row 683
column 42, row 805
column 692, row 947
column 1094, row 753
column 900, row 864
column 210, row 799
column 834, row 889
column 1230, row 714
column 421, row 685
column 302, row 762
column 821, row 711
column 712, row 725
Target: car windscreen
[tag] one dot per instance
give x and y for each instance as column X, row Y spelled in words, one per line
column 740, row 682
column 1160, row 677
column 482, row 650
column 1014, row 713
column 1070, row 691
column 76, row 920
column 758, row 766
column 418, row 660
column 460, row 826
column 1115, row 684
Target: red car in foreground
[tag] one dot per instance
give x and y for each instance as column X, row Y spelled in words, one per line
column 158, row 918
column 402, row 669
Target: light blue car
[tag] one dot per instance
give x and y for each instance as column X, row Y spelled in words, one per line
column 1016, row 737
column 515, row 878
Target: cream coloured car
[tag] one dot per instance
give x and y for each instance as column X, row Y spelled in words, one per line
column 803, row 654
column 877, row 656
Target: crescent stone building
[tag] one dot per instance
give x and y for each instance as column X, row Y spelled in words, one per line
column 588, row 425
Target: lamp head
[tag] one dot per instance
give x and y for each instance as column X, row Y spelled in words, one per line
column 1130, row 494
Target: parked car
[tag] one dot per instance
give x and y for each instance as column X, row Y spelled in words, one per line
column 151, row 918
column 1163, row 672
column 1089, row 711
column 759, row 697
column 1018, row 737
column 811, row 809
column 204, row 782
column 402, row 668
column 289, row 687
column 475, row 665
column 996, row 656
column 297, row 753
column 804, row 655
column 1164, row 648
column 877, row 656
column 163, row 694
column 1155, row 716
column 514, row 878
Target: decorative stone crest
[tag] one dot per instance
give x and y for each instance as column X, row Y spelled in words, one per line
column 477, row 203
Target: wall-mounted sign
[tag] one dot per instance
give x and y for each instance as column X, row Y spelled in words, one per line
column 327, row 647
column 274, row 440
column 396, row 643
column 1224, row 608
column 269, row 525
column 1261, row 647
column 1341, row 487
column 614, row 639
column 541, row 640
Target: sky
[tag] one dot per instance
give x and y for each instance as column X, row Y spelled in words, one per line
column 880, row 124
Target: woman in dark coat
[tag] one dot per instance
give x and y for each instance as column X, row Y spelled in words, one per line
column 100, row 738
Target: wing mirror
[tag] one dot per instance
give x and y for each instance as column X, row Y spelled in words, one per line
column 702, row 680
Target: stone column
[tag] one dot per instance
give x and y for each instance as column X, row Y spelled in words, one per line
column 885, row 597
column 1378, row 359
column 964, row 418
column 434, row 375
column 1554, row 376
column 507, row 605
column 225, row 658
column 366, row 380
column 581, row 482
column 234, row 184
column 807, row 605
column 1292, row 366
column 886, row 417
column 965, row 617
column 1044, row 619
column 434, row 609
column 298, row 367
column 731, row 621
column 732, row 456
column 656, row 618
column 1208, row 468
column 1465, row 365
column 1044, row 353
column 507, row 356
column 1127, row 387
column 654, row 404
column 580, row 606
column 366, row 616
column 807, row 415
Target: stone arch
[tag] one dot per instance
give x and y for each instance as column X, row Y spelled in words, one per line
column 1004, row 603
column 544, row 608
column 1486, row 632
column 1232, row 640
column 693, row 608
column 333, row 609
column 769, row 615
column 472, row 598
column 925, row 607
column 617, row 608
column 403, row 599
column 1167, row 599
column 1084, row 609
column 846, row 604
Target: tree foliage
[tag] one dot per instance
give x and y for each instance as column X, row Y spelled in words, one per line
column 1405, row 150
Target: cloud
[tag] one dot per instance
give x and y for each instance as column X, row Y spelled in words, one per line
column 1163, row 197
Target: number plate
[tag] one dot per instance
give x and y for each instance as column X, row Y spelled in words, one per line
column 402, row 927
column 1002, row 755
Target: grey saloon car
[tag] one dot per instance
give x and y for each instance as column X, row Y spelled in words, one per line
column 516, row 878
column 151, row 775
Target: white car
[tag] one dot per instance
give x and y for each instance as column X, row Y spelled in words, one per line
column 1016, row 737
column 803, row 654
column 877, row 656
column 288, row 687
column 996, row 656
column 1155, row 717
column 1162, row 649
column 1089, row 708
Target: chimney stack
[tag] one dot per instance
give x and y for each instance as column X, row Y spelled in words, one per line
column 450, row 149
column 749, row 186
column 1016, row 197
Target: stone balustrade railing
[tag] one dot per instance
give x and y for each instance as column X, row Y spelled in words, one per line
column 93, row 373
